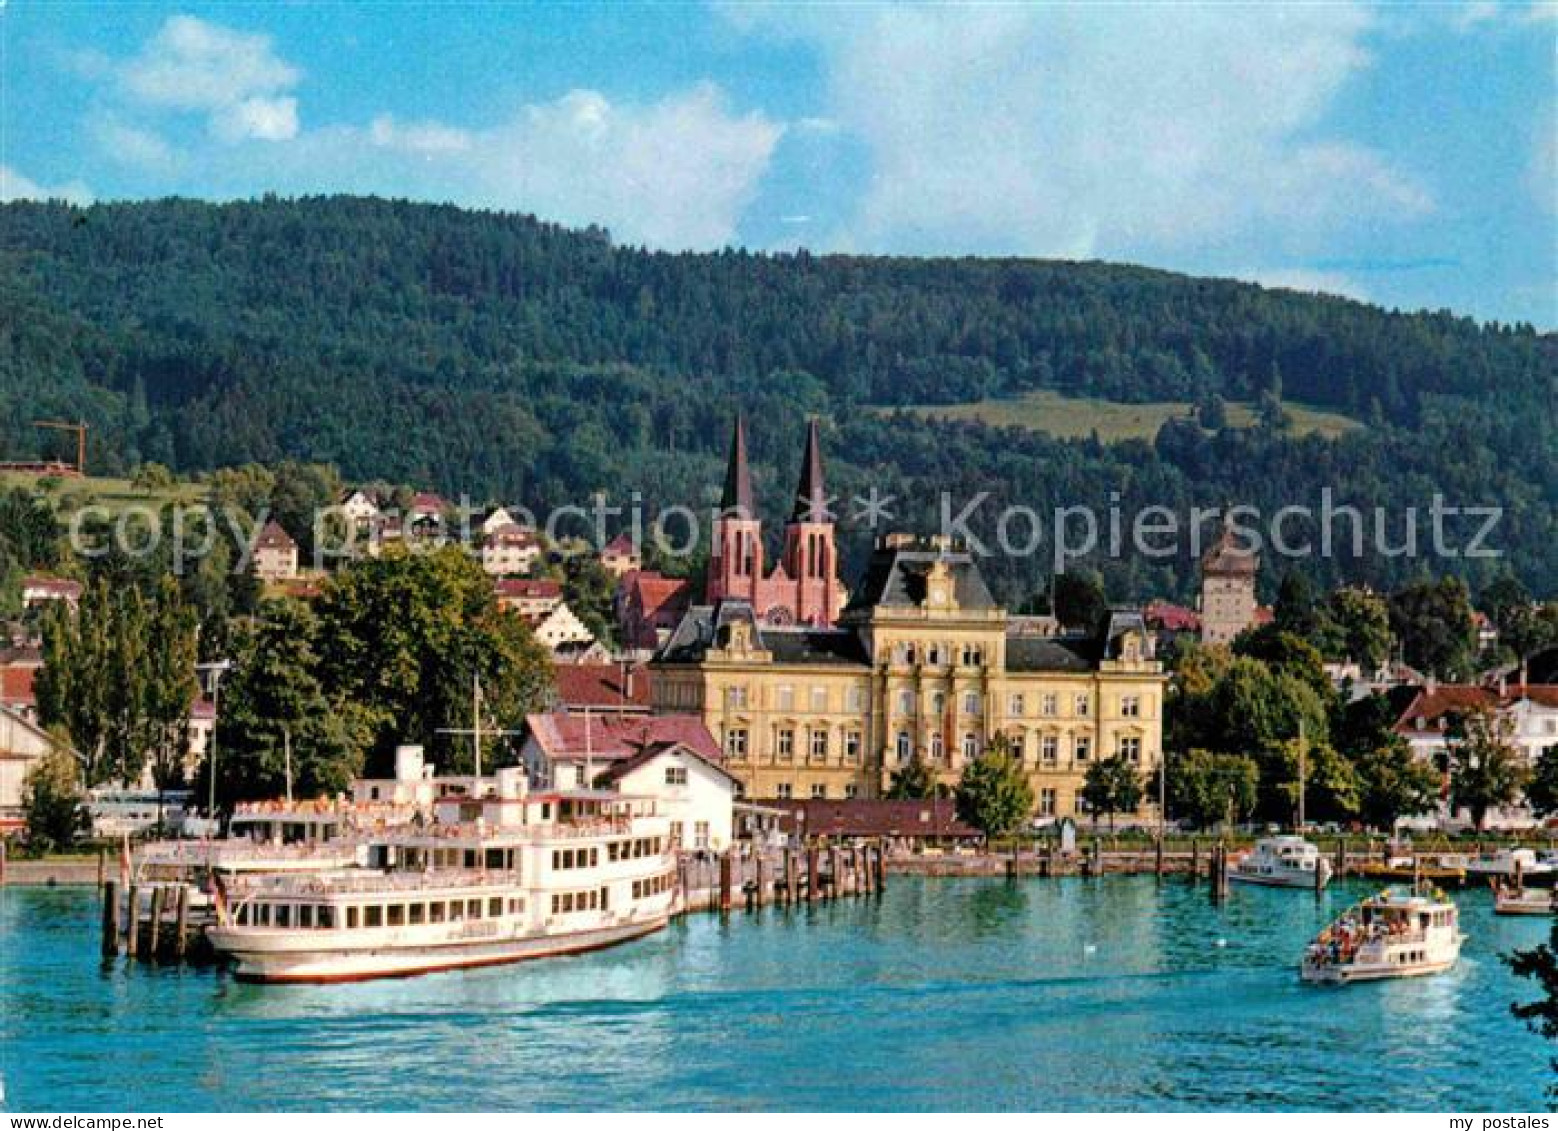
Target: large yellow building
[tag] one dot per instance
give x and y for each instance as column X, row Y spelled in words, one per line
column 922, row 662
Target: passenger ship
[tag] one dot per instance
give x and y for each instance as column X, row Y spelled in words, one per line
column 1390, row 935
column 498, row 875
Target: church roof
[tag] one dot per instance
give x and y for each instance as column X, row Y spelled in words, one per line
column 738, row 476
column 811, row 500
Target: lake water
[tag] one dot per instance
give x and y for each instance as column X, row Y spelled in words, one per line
column 1044, row 994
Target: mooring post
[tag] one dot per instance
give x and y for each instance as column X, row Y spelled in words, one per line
column 152, row 943
column 102, row 867
column 724, row 881
column 1341, row 858
column 180, row 943
column 811, row 874
column 110, row 938
column 1158, row 867
column 132, row 923
column 881, row 865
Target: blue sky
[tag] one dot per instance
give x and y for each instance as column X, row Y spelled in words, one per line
column 1401, row 154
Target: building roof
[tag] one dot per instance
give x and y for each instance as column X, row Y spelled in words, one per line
column 1436, row 704
column 876, row 817
column 62, row 587
column 613, row 686
column 655, row 591
column 513, row 534
column 16, row 684
column 610, row 737
column 1166, row 617
column 705, row 627
column 895, row 575
column 1229, row 556
column 646, row 754
column 273, row 537
column 738, row 496
column 428, row 502
column 620, row 546
column 527, row 588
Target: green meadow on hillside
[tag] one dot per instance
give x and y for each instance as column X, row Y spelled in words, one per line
column 1058, row 415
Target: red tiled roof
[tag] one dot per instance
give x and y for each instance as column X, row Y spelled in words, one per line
column 562, row 735
column 1432, row 705
column 53, row 586
column 16, row 684
column 621, row 545
column 428, row 501
column 602, row 685
column 515, row 534
column 656, row 592
column 1171, row 618
column 519, row 587
column 876, row 817
column 1264, row 614
column 1229, row 555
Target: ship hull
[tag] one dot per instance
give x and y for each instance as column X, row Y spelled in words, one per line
column 255, row 963
column 1305, row 880
column 1372, row 972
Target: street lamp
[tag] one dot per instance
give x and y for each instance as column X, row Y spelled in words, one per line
column 216, row 669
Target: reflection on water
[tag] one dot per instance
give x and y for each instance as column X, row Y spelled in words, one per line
column 1049, row 994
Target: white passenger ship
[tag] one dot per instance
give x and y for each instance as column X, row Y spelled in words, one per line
column 1390, row 935
column 498, row 875
column 1283, row 862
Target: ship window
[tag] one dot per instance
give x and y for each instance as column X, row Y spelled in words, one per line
column 456, row 910
column 494, row 907
column 396, row 915
column 470, row 858
column 326, row 918
column 306, row 915
column 351, row 918
column 373, row 916
column 494, row 858
column 473, row 909
column 435, row 911
column 416, row 913
column 283, row 915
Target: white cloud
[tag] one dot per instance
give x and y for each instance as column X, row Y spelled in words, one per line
column 234, row 78
column 14, row 186
column 1078, row 130
column 132, row 145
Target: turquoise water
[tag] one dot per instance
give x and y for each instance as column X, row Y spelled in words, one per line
column 1068, row 994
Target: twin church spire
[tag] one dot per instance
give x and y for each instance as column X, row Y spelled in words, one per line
column 803, row 588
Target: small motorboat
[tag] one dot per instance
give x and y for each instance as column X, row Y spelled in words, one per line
column 1508, row 899
column 1283, row 862
column 1519, row 865
column 1395, row 934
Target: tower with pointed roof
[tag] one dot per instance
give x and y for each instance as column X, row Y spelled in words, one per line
column 1228, row 574
column 804, row 587
column 736, row 545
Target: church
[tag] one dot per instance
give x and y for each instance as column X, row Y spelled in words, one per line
column 803, row 587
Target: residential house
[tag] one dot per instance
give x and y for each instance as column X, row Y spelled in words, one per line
column 39, row 590
column 602, row 688
column 560, row 629
column 649, row 606
column 621, row 556
column 275, row 554
column 509, row 550
column 528, row 597
column 563, row 750
column 689, row 786
column 22, row 743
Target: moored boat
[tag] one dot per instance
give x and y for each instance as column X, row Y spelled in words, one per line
column 1510, row 899
column 1395, row 934
column 504, row 877
column 1283, row 861
column 1519, row 865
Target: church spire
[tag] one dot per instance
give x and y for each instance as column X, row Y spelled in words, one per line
column 738, row 477
column 811, row 500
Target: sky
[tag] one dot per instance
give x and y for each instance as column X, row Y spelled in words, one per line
column 1401, row 154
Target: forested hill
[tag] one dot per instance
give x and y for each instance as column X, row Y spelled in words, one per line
column 505, row 357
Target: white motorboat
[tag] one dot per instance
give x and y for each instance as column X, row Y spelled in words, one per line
column 1509, row 899
column 1394, row 934
column 1283, row 862
column 1518, row 865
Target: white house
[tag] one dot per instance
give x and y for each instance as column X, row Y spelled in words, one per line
column 564, row 750
column 560, row 627
column 694, row 790
column 508, row 550
column 22, row 743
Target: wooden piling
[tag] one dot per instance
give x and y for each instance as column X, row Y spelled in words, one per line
column 132, row 923
column 110, row 940
column 1158, row 863
column 836, row 886
column 881, row 865
column 181, row 925
column 724, row 881
column 102, row 867
column 764, row 881
column 2, row 861
column 1341, row 858
column 811, row 874
column 154, row 937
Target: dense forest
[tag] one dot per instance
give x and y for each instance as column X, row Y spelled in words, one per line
column 506, row 358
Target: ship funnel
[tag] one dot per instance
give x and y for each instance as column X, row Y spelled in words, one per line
column 408, row 763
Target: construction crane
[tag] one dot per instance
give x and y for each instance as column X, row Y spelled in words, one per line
column 80, row 429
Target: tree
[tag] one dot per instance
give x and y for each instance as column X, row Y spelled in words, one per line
column 275, row 698
column 1080, row 601
column 73, row 686
column 915, row 782
column 1540, row 964
column 1212, row 413
column 1296, row 610
column 1433, row 621
column 170, row 684
column 1542, row 788
column 1205, row 788
column 1485, row 770
column 51, row 801
column 1113, row 785
column 994, row 795
column 1356, row 626
column 403, row 636
column 590, row 592
column 152, row 477
column 1393, row 783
